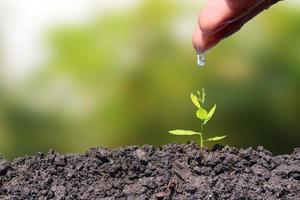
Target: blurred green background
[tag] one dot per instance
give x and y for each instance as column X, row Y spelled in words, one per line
column 124, row 78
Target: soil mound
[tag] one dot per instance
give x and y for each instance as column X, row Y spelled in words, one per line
column 169, row 172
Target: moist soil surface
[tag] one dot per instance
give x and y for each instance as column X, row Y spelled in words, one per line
column 169, row 172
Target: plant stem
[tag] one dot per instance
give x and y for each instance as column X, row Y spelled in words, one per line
column 201, row 137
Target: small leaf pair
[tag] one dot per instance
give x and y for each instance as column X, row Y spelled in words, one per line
column 201, row 113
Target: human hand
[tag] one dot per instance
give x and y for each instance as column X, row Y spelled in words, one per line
column 221, row 18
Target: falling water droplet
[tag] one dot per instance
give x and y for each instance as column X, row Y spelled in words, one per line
column 201, row 59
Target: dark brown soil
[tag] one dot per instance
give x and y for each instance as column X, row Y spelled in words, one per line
column 170, row 172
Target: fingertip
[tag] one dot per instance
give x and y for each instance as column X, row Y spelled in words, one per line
column 203, row 42
column 197, row 40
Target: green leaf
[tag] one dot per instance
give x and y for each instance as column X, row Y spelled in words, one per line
column 217, row 138
column 210, row 114
column 183, row 132
column 201, row 114
column 195, row 100
column 203, row 95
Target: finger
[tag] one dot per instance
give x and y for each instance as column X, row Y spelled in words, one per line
column 218, row 13
column 203, row 41
column 237, row 25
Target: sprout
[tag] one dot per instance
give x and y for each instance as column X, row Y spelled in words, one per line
column 204, row 117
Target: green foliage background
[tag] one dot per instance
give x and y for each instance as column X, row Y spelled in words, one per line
column 126, row 78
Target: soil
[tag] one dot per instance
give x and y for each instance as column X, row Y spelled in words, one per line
column 169, row 172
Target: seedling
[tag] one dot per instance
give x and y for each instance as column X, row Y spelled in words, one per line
column 204, row 117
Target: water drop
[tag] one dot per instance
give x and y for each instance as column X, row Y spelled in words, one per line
column 201, row 59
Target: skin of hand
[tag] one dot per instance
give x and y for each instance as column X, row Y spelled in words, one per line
column 221, row 18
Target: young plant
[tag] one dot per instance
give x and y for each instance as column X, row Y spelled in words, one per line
column 204, row 117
